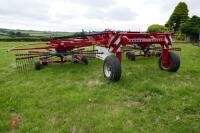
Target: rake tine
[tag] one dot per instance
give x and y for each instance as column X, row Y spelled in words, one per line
column 25, row 65
column 21, row 65
column 17, row 64
column 30, row 63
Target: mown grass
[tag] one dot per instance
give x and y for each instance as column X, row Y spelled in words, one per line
column 76, row 98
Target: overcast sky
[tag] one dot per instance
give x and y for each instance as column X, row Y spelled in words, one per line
column 74, row 15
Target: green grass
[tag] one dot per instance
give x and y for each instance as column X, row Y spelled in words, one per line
column 76, row 98
column 4, row 36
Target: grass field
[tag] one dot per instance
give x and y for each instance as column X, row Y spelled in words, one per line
column 77, row 99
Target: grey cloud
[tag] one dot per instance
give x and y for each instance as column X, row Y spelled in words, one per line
column 38, row 14
column 163, row 6
column 194, row 7
column 24, row 9
column 112, row 14
column 121, row 14
column 96, row 3
column 169, row 5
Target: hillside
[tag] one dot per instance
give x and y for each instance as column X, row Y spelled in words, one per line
column 28, row 35
column 64, row 98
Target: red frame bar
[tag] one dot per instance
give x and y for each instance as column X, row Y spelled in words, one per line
column 112, row 40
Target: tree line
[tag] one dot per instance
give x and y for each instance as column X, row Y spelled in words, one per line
column 180, row 23
column 18, row 34
column 14, row 33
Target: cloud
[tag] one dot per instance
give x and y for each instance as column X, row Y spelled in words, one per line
column 111, row 14
column 23, row 9
column 74, row 15
column 96, row 3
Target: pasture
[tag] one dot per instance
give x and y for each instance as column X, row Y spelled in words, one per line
column 76, row 98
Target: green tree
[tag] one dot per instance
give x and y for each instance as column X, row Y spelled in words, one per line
column 12, row 34
column 18, row 33
column 191, row 27
column 178, row 17
column 180, row 36
column 156, row 28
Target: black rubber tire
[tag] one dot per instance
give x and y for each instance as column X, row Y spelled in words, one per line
column 175, row 63
column 38, row 65
column 115, row 68
column 158, row 54
column 44, row 63
column 84, row 60
column 130, row 56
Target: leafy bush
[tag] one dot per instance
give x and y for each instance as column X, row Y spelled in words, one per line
column 156, row 28
column 192, row 28
column 180, row 36
column 18, row 34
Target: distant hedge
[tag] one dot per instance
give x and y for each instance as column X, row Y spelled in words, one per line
column 26, row 39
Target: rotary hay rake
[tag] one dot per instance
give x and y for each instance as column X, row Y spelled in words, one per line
column 134, row 50
column 109, row 47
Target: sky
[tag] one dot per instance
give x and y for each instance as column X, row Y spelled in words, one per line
column 90, row 15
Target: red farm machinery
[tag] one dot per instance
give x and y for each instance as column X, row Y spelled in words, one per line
column 109, row 46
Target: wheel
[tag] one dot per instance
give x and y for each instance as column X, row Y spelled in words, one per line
column 84, row 60
column 37, row 65
column 44, row 63
column 158, row 54
column 75, row 59
column 130, row 56
column 112, row 68
column 173, row 65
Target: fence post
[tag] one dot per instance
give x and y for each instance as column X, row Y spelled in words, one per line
column 199, row 39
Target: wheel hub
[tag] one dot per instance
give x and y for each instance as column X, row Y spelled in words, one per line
column 107, row 70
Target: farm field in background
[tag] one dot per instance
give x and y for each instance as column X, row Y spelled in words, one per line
column 29, row 35
column 32, row 33
column 77, row 98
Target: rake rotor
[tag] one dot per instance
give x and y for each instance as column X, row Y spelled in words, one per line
column 26, row 61
column 109, row 47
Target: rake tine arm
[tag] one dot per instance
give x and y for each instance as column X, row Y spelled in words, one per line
column 21, row 49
